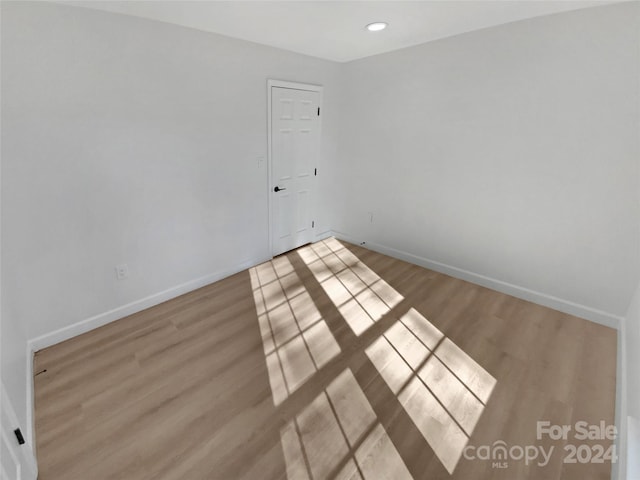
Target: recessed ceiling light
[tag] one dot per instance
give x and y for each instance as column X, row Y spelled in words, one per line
column 376, row 26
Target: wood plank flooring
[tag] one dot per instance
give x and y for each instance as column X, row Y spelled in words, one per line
column 331, row 361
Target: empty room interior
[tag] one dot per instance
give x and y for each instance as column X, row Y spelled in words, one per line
column 315, row 240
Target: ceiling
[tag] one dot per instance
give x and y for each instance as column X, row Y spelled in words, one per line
column 335, row 30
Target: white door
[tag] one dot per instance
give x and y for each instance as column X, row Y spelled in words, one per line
column 16, row 459
column 295, row 145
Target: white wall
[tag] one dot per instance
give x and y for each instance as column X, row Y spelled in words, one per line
column 128, row 141
column 510, row 152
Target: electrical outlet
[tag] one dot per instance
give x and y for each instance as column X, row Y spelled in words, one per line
column 122, row 271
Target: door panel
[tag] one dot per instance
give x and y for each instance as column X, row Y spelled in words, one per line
column 285, row 223
column 16, row 461
column 10, row 464
column 305, row 144
column 295, row 144
column 303, row 208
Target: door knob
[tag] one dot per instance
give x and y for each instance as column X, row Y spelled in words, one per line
column 278, row 189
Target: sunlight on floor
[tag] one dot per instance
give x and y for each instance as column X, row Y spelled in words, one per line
column 361, row 296
column 296, row 340
column 442, row 389
column 338, row 436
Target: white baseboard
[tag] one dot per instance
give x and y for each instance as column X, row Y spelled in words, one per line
column 101, row 319
column 83, row 326
column 582, row 311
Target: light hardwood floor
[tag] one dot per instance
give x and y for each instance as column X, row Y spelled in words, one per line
column 331, row 361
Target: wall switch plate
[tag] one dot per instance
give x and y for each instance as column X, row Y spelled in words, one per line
column 122, row 271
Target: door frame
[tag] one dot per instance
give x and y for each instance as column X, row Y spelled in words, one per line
column 294, row 86
column 24, row 454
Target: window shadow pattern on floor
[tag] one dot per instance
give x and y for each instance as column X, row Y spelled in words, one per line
column 337, row 435
column 296, row 339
